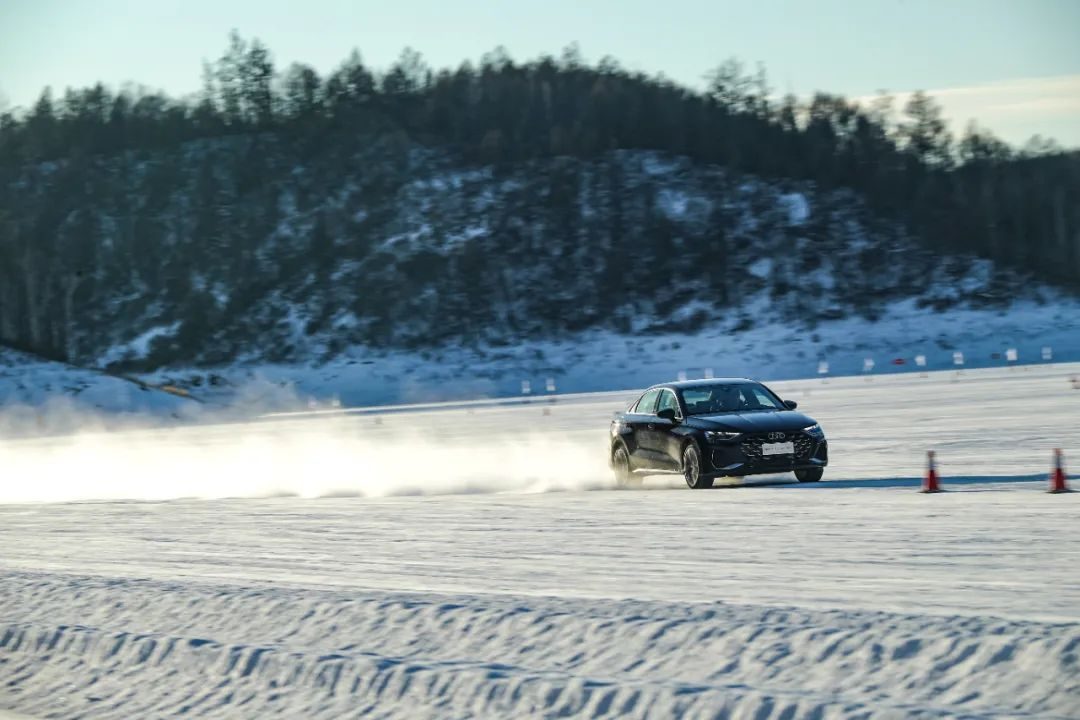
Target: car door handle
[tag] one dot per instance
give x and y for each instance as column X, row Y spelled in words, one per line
column 652, row 426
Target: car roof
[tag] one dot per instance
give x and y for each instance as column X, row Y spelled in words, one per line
column 707, row 382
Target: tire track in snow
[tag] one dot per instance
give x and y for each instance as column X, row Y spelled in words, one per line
column 71, row 645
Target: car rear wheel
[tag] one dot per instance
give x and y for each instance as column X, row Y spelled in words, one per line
column 620, row 461
column 811, row 475
column 691, row 463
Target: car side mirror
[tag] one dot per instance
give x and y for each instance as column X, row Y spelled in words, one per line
column 667, row 414
column 790, row 404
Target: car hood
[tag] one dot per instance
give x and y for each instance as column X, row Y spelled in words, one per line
column 752, row 421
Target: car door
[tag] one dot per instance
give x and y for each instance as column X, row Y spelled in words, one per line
column 638, row 420
column 663, row 440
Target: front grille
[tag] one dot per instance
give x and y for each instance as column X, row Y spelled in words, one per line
column 751, row 446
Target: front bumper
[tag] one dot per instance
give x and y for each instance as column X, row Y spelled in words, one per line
column 745, row 457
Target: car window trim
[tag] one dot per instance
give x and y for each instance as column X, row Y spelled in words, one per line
column 678, row 405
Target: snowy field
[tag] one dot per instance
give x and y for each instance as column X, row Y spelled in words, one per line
column 477, row 562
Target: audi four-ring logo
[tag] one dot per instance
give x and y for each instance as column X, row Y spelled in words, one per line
column 776, row 436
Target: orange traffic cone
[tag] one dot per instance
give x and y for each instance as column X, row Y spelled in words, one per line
column 930, row 482
column 1058, row 483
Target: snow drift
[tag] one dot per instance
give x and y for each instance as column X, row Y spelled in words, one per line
column 271, row 652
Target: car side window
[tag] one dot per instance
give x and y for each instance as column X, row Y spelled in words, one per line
column 698, row 402
column 647, row 404
column 668, row 401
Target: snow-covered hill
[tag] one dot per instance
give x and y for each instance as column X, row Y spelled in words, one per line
column 421, row 277
column 606, row 360
column 41, row 396
column 178, row 259
column 588, row 361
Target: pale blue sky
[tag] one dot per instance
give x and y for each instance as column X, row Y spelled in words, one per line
column 1012, row 64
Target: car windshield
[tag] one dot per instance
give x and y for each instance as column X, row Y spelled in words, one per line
column 729, row 398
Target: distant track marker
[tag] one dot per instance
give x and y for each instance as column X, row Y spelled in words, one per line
column 931, row 482
column 958, row 361
column 1058, row 482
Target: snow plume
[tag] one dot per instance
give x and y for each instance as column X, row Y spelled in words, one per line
column 311, row 458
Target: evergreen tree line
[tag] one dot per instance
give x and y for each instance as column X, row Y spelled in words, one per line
column 130, row 152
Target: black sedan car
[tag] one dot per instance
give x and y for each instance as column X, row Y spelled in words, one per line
column 705, row 429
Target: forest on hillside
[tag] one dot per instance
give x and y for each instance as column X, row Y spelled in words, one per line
column 119, row 207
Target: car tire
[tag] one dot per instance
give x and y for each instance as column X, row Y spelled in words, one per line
column 809, row 475
column 691, row 463
column 620, row 462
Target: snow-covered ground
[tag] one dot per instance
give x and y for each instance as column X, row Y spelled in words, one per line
column 476, row 562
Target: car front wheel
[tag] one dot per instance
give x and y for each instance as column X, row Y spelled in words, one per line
column 810, row 475
column 691, row 463
column 620, row 462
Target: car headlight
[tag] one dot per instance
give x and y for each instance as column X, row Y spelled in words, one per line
column 719, row 435
column 814, row 430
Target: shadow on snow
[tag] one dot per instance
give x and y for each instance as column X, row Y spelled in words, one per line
column 900, row 482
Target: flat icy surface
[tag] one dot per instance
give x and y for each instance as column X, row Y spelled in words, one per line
column 475, row 562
